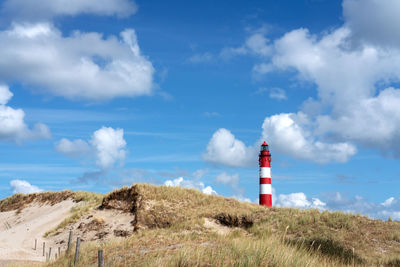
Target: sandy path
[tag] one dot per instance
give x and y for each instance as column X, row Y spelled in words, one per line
column 18, row 231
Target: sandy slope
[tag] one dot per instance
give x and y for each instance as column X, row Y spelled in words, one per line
column 18, row 231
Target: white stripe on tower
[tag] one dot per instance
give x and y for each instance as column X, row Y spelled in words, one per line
column 265, row 189
column 265, row 172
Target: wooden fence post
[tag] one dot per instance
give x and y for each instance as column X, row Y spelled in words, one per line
column 69, row 240
column 78, row 243
column 44, row 246
column 101, row 258
column 35, row 243
column 49, row 253
column 59, row 251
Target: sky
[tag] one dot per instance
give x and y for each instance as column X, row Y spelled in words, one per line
column 95, row 95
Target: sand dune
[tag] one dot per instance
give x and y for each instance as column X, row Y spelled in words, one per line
column 19, row 231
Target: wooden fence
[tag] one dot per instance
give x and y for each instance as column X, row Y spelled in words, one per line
column 100, row 253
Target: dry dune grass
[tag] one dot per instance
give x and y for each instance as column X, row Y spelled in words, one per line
column 19, row 201
column 184, row 227
column 87, row 200
column 171, row 231
column 163, row 206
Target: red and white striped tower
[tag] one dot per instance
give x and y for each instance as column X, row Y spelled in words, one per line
column 265, row 176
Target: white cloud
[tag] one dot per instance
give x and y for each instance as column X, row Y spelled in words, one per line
column 373, row 122
column 225, row 149
column 79, row 66
column 298, row 200
column 34, row 10
column 388, row 202
column 277, row 93
column 374, row 21
column 22, row 186
column 12, row 124
column 357, row 204
column 73, row 148
column 226, row 179
column 337, row 201
column 209, row 191
column 107, row 145
column 262, row 68
column 5, row 94
column 242, row 198
column 229, row 52
column 198, row 174
column 290, row 134
column 191, row 184
column 347, row 81
column 354, row 69
column 256, row 44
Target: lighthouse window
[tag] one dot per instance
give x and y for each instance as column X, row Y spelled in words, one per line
column 264, row 148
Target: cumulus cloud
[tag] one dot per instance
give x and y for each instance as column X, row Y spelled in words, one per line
column 80, row 66
column 358, row 204
column 262, row 68
column 226, row 179
column 73, row 148
column 22, row 186
column 256, row 44
column 12, row 124
column 225, row 149
column 289, row 134
column 242, row 198
column 298, row 200
column 191, row 184
column 5, row 94
column 232, row 181
column 354, row 69
column 277, row 93
column 347, row 81
column 337, row 201
column 374, row 21
column 107, row 145
column 33, row 10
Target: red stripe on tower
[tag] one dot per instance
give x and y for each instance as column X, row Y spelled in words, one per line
column 265, row 176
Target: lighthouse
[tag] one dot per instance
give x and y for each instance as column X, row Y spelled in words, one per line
column 265, row 176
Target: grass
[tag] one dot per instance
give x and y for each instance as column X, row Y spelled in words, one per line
column 170, row 231
column 87, row 201
column 164, row 247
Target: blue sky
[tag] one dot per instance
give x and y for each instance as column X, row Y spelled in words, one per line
column 93, row 97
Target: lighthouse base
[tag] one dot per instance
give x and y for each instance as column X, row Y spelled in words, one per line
column 266, row 200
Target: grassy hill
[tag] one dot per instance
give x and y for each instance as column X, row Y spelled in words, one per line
column 184, row 227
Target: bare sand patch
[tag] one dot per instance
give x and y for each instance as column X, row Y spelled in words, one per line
column 216, row 227
column 18, row 230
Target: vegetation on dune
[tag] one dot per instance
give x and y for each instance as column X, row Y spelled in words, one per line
column 167, row 247
column 85, row 200
column 20, row 201
column 170, row 230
